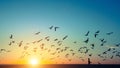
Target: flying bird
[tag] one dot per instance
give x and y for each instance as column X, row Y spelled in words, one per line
column 109, row 33
column 50, row 27
column 20, row 44
column 56, row 28
column 37, row 33
column 11, row 36
column 86, row 41
column 97, row 32
column 87, row 33
column 89, row 62
column 65, row 37
column 95, row 35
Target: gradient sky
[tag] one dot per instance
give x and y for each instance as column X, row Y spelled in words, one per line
column 23, row 18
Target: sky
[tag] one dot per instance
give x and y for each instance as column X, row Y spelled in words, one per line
column 23, row 18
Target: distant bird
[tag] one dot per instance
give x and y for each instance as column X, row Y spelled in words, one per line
column 55, row 39
column 13, row 41
column 95, row 35
column 111, row 57
column 11, row 36
column 75, row 42
column 90, row 55
column 87, row 33
column 2, row 49
column 65, row 37
column 92, row 46
column 37, row 33
column 97, row 32
column 50, row 27
column 10, row 43
column 20, row 43
column 25, row 47
column 117, row 45
column 89, row 62
column 109, row 33
column 39, row 40
column 86, row 41
column 101, row 40
column 56, row 28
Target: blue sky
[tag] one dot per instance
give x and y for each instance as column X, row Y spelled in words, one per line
column 74, row 17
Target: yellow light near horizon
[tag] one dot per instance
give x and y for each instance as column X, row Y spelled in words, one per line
column 34, row 61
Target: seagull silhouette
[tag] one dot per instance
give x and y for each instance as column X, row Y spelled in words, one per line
column 65, row 37
column 87, row 33
column 86, row 41
column 50, row 27
column 109, row 33
column 20, row 44
column 56, row 28
column 89, row 62
column 11, row 36
column 37, row 33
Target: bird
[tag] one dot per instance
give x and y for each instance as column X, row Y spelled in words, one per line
column 11, row 36
column 89, row 62
column 86, row 41
column 56, row 28
column 111, row 57
column 2, row 49
column 37, row 33
column 117, row 45
column 50, row 27
column 95, row 35
column 101, row 40
column 25, row 47
column 55, row 39
column 87, row 33
column 20, row 43
column 65, row 37
column 92, row 46
column 97, row 31
column 109, row 33
column 10, row 43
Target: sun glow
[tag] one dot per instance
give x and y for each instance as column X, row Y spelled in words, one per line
column 34, row 61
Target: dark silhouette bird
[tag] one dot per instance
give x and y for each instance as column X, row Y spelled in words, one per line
column 92, row 46
column 111, row 57
column 65, row 37
column 39, row 40
column 90, row 55
column 10, row 43
column 95, row 35
column 89, row 62
column 11, row 36
column 20, row 44
column 86, row 41
column 109, row 33
column 25, row 47
column 101, row 40
column 55, row 39
column 50, row 27
column 97, row 32
column 87, row 33
column 117, row 45
column 56, row 28
column 13, row 41
column 37, row 33
column 2, row 49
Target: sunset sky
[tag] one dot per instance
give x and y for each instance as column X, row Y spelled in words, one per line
column 24, row 18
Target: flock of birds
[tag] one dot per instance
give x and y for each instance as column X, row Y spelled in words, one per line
column 58, row 49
